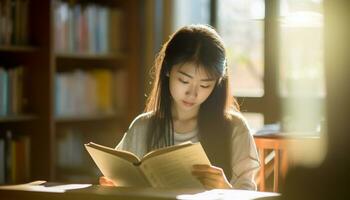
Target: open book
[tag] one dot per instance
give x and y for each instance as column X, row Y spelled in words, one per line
column 168, row 167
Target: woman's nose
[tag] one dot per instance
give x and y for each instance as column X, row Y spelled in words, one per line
column 192, row 91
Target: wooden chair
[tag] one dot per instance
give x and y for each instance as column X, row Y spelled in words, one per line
column 274, row 157
column 275, row 161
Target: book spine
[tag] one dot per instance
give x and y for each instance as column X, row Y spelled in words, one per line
column 19, row 100
column 81, row 92
column 103, row 79
column 58, row 94
column 3, row 92
column 13, row 20
column 104, row 18
column 120, row 90
column 8, row 157
column 7, row 22
column 70, row 31
column 115, row 30
column 10, row 91
column 1, row 21
column 24, row 21
column 21, row 159
column 70, row 141
column 91, row 19
column 77, row 25
column 15, row 158
column 2, row 161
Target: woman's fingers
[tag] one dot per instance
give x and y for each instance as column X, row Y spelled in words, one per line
column 209, row 183
column 104, row 181
column 207, row 174
column 208, row 168
column 211, row 176
column 209, row 180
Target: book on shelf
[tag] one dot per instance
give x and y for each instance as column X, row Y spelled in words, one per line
column 14, row 158
column 120, row 93
column 168, row 167
column 104, row 82
column 116, row 33
column 102, row 30
column 13, row 22
column 11, row 91
column 86, row 29
column 84, row 92
column 2, row 161
column 70, row 141
column 3, row 92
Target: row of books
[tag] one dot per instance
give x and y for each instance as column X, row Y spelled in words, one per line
column 70, row 149
column 13, row 22
column 90, row 92
column 14, row 158
column 89, row 28
column 77, row 166
column 11, row 90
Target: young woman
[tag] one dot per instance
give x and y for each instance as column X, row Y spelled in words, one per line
column 191, row 101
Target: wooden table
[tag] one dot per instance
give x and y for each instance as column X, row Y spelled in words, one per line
column 96, row 192
column 278, row 143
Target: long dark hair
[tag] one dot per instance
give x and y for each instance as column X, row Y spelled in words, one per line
column 202, row 45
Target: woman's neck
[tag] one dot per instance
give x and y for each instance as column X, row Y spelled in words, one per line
column 184, row 122
column 180, row 115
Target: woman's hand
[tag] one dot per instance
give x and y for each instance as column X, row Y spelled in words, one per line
column 211, row 177
column 104, row 181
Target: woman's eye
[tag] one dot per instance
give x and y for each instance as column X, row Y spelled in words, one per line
column 205, row 86
column 182, row 81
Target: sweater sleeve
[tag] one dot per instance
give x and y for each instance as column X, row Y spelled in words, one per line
column 245, row 160
column 135, row 140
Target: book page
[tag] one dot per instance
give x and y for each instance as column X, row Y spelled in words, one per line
column 165, row 150
column 120, row 153
column 123, row 172
column 173, row 169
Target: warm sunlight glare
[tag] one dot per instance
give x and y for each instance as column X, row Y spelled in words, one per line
column 302, row 84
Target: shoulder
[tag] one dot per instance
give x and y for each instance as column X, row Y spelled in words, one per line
column 239, row 123
column 137, row 130
column 141, row 120
column 135, row 138
column 237, row 119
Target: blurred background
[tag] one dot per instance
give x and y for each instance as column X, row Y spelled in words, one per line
column 75, row 71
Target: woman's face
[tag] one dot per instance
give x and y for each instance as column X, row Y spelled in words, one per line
column 189, row 86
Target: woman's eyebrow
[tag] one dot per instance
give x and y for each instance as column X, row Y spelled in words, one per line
column 208, row 80
column 185, row 74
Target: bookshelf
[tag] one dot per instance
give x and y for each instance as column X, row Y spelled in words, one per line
column 18, row 118
column 73, row 85
column 10, row 48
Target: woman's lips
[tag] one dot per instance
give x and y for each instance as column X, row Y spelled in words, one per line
column 189, row 104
